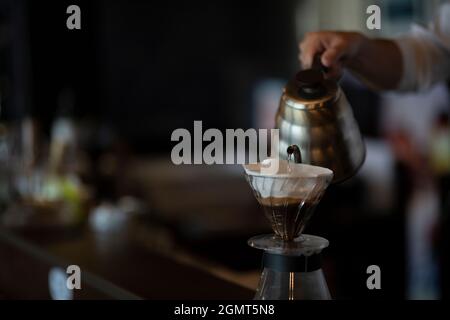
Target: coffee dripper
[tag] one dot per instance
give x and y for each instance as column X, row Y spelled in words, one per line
column 291, row 259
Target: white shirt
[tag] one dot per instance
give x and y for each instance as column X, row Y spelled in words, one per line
column 426, row 53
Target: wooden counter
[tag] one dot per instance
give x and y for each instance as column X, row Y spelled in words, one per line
column 109, row 269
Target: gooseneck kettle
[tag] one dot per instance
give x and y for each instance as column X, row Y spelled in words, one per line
column 314, row 114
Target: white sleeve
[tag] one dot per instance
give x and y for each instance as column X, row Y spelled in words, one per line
column 426, row 53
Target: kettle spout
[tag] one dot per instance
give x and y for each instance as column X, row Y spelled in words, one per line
column 294, row 150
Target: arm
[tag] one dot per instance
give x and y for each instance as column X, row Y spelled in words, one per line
column 415, row 61
column 379, row 64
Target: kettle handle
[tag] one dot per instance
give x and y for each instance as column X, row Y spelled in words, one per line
column 317, row 64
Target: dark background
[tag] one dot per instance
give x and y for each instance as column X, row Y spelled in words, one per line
column 146, row 68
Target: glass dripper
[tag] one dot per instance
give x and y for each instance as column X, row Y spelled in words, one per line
column 292, row 260
column 288, row 196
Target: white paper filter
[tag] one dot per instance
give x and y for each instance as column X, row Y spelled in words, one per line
column 292, row 180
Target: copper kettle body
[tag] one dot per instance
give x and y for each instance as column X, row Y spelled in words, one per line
column 315, row 115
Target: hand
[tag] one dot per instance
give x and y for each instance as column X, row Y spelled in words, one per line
column 337, row 50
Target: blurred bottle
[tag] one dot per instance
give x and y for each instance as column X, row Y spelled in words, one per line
column 62, row 182
column 4, row 161
column 440, row 164
column 440, row 146
column 48, row 190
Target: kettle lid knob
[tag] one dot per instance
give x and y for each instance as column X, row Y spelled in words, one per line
column 309, row 83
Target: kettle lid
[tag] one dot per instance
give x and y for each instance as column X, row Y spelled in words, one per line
column 309, row 88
